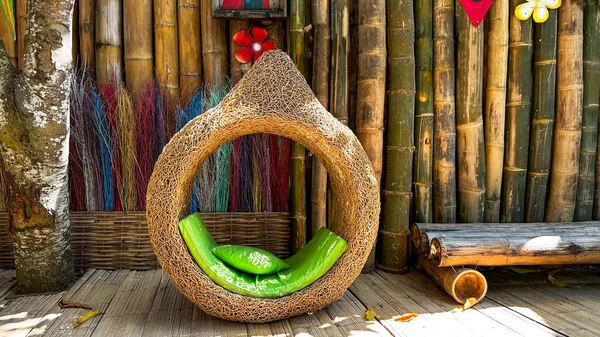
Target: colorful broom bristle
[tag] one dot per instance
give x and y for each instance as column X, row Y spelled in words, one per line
column 222, row 159
column 262, row 163
column 241, row 178
column 281, row 150
column 109, row 94
column 125, row 129
column 159, row 121
column 205, row 187
column 76, row 185
column 85, row 140
column 106, row 147
column 145, row 128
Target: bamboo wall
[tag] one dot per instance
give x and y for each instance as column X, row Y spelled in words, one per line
column 495, row 123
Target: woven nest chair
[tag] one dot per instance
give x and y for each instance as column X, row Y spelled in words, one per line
column 273, row 97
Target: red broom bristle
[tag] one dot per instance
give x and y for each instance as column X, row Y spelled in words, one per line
column 145, row 141
column 280, row 149
column 109, row 96
column 76, row 184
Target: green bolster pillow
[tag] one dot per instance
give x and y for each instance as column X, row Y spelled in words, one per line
column 306, row 266
column 249, row 259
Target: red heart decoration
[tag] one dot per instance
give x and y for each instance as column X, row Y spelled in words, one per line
column 476, row 9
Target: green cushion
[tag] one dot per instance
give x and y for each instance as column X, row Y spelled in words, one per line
column 306, row 266
column 249, row 259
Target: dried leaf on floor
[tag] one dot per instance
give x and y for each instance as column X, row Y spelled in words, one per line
column 86, row 316
column 370, row 314
column 470, row 302
column 406, row 317
column 556, row 282
column 69, row 304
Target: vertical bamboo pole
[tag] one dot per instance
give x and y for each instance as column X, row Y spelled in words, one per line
column 214, row 47
column 298, row 189
column 518, row 111
column 444, row 141
column 371, row 86
column 589, row 128
column 166, row 53
column 397, row 191
column 542, row 125
column 139, row 53
column 469, row 119
column 352, row 62
column 87, row 13
column 320, row 85
column 109, row 54
column 237, row 69
column 591, row 65
column 569, row 101
column 74, row 37
column 495, row 102
column 340, row 58
column 190, row 45
column 423, row 177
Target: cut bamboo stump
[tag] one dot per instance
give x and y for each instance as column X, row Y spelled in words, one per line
column 460, row 283
column 508, row 244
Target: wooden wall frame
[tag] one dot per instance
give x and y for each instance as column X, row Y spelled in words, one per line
column 277, row 10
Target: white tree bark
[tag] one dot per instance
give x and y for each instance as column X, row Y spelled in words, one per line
column 34, row 143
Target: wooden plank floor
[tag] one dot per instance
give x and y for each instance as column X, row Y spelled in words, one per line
column 145, row 303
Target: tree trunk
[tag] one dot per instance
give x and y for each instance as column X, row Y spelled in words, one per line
column 569, row 101
column 495, row 103
column 34, row 136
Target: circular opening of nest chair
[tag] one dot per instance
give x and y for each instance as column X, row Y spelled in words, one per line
column 272, row 98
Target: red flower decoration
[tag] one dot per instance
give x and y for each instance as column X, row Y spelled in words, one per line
column 254, row 42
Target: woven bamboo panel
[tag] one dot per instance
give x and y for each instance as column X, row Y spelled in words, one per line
column 115, row 240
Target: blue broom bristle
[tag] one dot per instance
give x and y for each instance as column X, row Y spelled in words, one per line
column 106, row 145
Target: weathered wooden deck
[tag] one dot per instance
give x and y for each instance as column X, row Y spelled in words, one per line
column 147, row 304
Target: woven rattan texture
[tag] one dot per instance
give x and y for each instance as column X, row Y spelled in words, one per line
column 273, row 97
column 116, row 240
